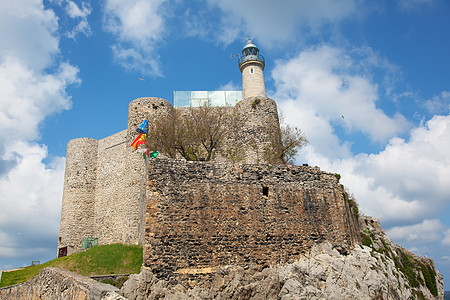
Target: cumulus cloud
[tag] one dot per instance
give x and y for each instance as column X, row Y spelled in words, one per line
column 80, row 13
column 438, row 103
column 31, row 189
column 413, row 173
column 323, row 88
column 446, row 240
column 27, row 32
column 31, row 197
column 428, row 231
column 406, row 182
column 137, row 27
column 29, row 96
column 272, row 21
column 331, row 97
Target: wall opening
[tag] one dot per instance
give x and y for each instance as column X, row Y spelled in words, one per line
column 265, row 191
column 62, row 251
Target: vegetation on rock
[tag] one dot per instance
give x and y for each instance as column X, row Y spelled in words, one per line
column 417, row 271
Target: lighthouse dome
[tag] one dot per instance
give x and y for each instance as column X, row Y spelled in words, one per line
column 250, row 52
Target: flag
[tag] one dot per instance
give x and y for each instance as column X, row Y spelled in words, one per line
column 149, row 154
column 139, row 141
column 143, row 128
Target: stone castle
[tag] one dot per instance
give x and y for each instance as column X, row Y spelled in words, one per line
column 194, row 218
column 223, row 228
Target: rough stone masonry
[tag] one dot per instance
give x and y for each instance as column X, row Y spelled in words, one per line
column 104, row 195
column 201, row 217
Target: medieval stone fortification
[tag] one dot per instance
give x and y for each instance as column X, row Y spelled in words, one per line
column 202, row 217
column 104, row 184
column 212, row 226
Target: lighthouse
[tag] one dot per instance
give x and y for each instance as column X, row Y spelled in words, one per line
column 251, row 65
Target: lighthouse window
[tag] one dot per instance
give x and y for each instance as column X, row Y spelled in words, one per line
column 251, row 70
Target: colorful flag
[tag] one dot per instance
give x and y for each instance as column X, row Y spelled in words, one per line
column 150, row 154
column 139, row 141
column 143, row 128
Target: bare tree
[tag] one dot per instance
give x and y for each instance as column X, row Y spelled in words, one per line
column 162, row 135
column 210, row 127
column 195, row 133
column 285, row 141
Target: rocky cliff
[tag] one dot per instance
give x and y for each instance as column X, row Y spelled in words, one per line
column 55, row 283
column 381, row 270
column 378, row 270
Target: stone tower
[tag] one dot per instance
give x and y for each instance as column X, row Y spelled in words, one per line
column 104, row 193
column 251, row 65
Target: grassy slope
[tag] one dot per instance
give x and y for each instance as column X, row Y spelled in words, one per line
column 99, row 260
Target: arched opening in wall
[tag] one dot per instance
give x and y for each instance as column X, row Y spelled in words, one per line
column 265, row 191
column 251, row 71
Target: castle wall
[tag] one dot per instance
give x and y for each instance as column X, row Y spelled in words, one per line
column 259, row 117
column 104, row 185
column 202, row 217
column 105, row 181
column 149, row 108
column 80, row 179
column 111, row 225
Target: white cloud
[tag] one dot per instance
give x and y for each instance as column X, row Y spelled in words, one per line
column 322, row 88
column 329, row 95
column 76, row 12
column 405, row 183
column 446, row 240
column 137, row 26
column 428, row 231
column 230, row 86
column 409, row 5
column 31, row 201
column 29, row 96
column 31, row 189
column 438, row 103
column 28, row 33
column 274, row 21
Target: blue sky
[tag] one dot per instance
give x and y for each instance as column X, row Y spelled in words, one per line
column 368, row 83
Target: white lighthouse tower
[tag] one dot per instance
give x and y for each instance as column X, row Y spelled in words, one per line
column 251, row 65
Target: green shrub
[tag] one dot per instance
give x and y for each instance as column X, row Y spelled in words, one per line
column 430, row 278
column 117, row 283
column 256, row 102
column 366, row 240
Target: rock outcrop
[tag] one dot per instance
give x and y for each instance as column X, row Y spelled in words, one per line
column 55, row 283
column 382, row 270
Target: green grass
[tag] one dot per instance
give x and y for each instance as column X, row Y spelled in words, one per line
column 98, row 260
